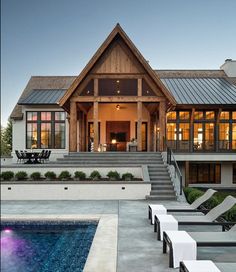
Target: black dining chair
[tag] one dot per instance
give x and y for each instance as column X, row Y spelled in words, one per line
column 19, row 156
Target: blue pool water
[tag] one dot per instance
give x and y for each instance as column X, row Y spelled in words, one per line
column 45, row 246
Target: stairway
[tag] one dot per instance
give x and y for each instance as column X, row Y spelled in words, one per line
column 162, row 187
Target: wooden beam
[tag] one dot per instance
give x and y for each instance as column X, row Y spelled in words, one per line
column 117, row 99
column 139, row 125
column 117, row 76
column 162, row 124
column 95, row 126
column 73, row 127
column 82, row 108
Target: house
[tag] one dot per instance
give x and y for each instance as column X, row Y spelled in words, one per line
column 118, row 97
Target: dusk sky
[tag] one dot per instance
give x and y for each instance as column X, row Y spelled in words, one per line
column 58, row 37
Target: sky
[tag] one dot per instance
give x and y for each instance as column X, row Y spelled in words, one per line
column 58, row 37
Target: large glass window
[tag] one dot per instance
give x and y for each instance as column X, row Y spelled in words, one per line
column 117, row 87
column 171, row 115
column 198, row 136
column 204, row 173
column 171, row 135
column 184, row 134
column 45, row 130
column 233, row 135
column 224, row 115
column 184, row 115
column 224, row 136
column 209, row 136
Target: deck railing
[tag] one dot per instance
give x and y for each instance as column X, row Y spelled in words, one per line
column 171, row 161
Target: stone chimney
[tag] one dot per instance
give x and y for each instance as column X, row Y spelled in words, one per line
column 229, row 67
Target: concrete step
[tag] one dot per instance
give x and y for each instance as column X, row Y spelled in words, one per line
column 162, row 187
column 161, row 197
column 162, row 192
column 160, row 182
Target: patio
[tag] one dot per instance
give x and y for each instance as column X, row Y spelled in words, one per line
column 138, row 249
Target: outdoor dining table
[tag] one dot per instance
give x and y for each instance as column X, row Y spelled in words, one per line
column 32, row 157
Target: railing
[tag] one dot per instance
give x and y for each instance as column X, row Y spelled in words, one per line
column 171, row 161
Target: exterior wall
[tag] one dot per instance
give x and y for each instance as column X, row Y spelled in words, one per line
column 75, row 191
column 128, row 112
column 19, row 134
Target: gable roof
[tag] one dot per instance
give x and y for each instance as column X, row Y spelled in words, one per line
column 116, row 31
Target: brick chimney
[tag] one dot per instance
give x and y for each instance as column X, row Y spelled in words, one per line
column 229, row 67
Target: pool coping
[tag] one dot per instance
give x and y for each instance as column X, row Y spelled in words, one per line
column 103, row 252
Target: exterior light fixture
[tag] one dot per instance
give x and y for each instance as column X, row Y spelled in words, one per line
column 113, row 141
column 88, row 92
column 118, row 107
column 118, row 91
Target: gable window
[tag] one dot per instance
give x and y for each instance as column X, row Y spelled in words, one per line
column 45, row 130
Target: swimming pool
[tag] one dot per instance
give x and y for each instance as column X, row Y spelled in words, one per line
column 45, row 246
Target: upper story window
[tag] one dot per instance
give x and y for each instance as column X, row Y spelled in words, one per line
column 224, row 115
column 171, row 115
column 184, row 115
column 210, row 115
column 45, row 130
column 198, row 115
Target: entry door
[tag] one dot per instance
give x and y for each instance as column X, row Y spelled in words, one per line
column 144, row 134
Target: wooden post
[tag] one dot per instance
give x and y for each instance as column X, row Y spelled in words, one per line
column 95, row 126
column 73, row 127
column 191, row 140
column 95, row 82
column 139, row 125
column 139, row 86
column 186, row 173
column 162, row 124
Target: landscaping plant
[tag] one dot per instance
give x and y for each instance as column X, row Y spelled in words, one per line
column 50, row 175
column 79, row 175
column 7, row 175
column 127, row 176
column 95, row 175
column 113, row 175
column 21, row 175
column 35, row 176
column 64, row 175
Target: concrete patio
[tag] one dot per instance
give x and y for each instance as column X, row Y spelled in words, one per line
column 138, row 249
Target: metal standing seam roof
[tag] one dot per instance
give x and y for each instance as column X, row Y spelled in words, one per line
column 45, row 96
column 201, row 90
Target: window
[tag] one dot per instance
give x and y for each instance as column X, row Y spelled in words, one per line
column 224, row 136
column 224, row 115
column 184, row 115
column 234, row 115
column 198, row 115
column 45, row 130
column 198, row 136
column 204, row 173
column 184, row 134
column 171, row 135
column 171, row 115
column 209, row 136
column 210, row 115
column 234, row 136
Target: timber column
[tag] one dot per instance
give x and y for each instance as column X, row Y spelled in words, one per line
column 162, row 124
column 95, row 117
column 73, row 127
column 139, row 116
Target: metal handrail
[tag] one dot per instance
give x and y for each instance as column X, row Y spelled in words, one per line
column 171, row 160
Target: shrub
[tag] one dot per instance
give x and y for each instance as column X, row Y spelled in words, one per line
column 64, row 175
column 194, row 195
column 21, row 175
column 7, row 175
column 35, row 175
column 80, row 175
column 113, row 175
column 230, row 215
column 127, row 176
column 95, row 175
column 187, row 190
column 50, row 175
column 211, row 203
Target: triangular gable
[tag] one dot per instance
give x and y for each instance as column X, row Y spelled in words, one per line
column 116, row 31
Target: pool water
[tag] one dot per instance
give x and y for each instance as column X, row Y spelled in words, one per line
column 45, row 246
